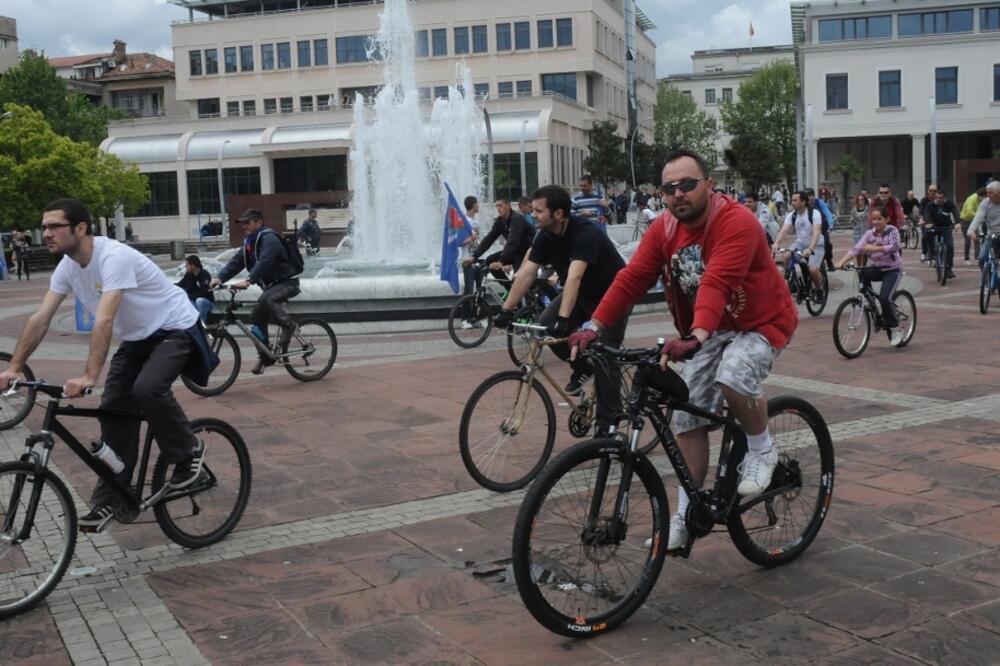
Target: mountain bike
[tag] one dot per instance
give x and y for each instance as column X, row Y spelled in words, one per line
column 470, row 321
column 939, row 253
column 38, row 520
column 15, row 407
column 989, row 280
column 854, row 319
column 307, row 355
column 801, row 286
column 591, row 534
column 909, row 233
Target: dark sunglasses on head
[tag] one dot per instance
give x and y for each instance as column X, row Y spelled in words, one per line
column 684, row 185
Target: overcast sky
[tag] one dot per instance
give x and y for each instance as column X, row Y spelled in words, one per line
column 75, row 27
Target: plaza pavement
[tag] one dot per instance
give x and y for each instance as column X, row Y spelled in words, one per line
column 365, row 541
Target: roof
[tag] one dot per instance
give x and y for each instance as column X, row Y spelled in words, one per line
column 70, row 61
column 138, row 65
column 776, row 48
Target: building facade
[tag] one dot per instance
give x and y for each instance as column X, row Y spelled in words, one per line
column 8, row 43
column 269, row 87
column 880, row 76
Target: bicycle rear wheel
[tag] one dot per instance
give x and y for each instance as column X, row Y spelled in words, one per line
column 205, row 512
column 15, row 408
column 940, row 256
column 906, row 316
column 507, row 431
column 915, row 238
column 574, row 576
column 311, row 352
column 32, row 564
column 852, row 328
column 778, row 528
column 518, row 346
column 985, row 288
column 470, row 321
column 228, row 351
column 815, row 306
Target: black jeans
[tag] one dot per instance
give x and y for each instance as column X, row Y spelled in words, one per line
column 888, row 278
column 22, row 264
column 607, row 387
column 930, row 238
column 139, row 377
column 271, row 305
column 829, row 247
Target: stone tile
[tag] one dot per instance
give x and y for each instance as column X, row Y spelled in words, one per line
column 713, row 608
column 862, row 565
column 983, row 526
column 784, row 585
column 928, row 548
column 788, row 638
column 702, row 651
column 904, row 483
column 984, row 567
column 258, row 638
column 32, row 638
column 866, row 614
column 868, row 655
column 938, row 590
column 406, row 641
column 948, row 642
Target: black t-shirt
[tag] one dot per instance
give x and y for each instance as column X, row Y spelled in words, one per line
column 908, row 205
column 583, row 240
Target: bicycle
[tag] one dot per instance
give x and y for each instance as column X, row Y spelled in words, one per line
column 310, row 250
column 801, row 286
column 989, row 281
column 508, row 426
column 855, row 317
column 909, row 233
column 15, row 408
column 939, row 257
column 308, row 355
column 588, row 544
column 38, row 519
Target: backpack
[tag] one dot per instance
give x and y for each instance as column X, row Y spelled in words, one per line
column 293, row 253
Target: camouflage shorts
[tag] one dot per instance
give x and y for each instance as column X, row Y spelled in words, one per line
column 740, row 360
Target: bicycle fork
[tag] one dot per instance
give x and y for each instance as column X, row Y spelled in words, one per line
column 616, row 529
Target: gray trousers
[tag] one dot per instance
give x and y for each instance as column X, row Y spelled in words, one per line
column 271, row 305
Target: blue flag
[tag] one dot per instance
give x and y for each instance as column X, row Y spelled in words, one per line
column 457, row 230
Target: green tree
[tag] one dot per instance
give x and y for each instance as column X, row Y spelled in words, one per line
column 680, row 124
column 850, row 169
column 607, row 162
column 762, row 123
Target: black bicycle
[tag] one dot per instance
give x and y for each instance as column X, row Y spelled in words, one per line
column 308, row 355
column 15, row 407
column 854, row 319
column 989, row 279
column 38, row 520
column 940, row 252
column 801, row 286
column 591, row 534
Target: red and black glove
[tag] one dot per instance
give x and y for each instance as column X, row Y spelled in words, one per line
column 582, row 339
column 681, row 349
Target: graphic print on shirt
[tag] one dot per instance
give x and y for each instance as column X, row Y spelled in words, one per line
column 687, row 268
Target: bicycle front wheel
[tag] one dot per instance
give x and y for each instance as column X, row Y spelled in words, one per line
column 915, row 239
column 942, row 270
column 985, row 289
column 206, row 511
column 470, row 321
column 777, row 526
column 507, row 431
column 311, row 352
column 852, row 328
column 815, row 305
column 225, row 347
column 33, row 558
column 906, row 316
column 16, row 407
column 574, row 575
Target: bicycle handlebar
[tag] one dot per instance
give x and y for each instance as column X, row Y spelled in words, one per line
column 51, row 390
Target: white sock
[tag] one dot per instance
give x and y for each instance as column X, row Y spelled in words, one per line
column 682, row 501
column 760, row 443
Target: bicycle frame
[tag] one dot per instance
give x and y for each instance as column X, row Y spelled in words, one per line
column 229, row 319
column 536, row 345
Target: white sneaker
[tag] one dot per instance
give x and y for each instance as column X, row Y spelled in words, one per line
column 678, row 533
column 968, row 262
column 466, row 325
column 482, row 323
column 923, row 258
column 755, row 472
column 896, row 336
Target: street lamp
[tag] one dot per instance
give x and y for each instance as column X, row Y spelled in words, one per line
column 631, row 150
column 222, row 196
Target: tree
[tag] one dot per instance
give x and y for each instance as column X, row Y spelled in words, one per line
column 607, row 161
column 850, row 169
column 680, row 124
column 762, row 123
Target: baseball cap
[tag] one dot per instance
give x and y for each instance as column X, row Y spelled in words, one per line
column 250, row 214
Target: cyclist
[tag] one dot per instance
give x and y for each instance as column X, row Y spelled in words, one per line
column 132, row 300
column 885, row 265
column 516, row 232
column 728, row 302
column 829, row 220
column 267, row 263
column 807, row 224
column 763, row 214
column 586, row 262
column 987, row 216
column 196, row 284
column 941, row 217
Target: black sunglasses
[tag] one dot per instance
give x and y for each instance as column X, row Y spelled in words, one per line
column 684, row 185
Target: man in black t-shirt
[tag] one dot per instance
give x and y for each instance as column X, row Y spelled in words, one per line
column 586, row 261
column 517, row 233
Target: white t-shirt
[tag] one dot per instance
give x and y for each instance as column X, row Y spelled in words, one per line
column 151, row 302
column 778, row 196
column 650, row 214
column 804, row 230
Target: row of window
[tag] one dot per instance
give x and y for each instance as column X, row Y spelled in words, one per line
column 710, row 96
column 890, row 88
column 514, row 36
column 272, row 56
column 908, row 25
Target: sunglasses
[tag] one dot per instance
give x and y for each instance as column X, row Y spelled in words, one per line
column 684, row 185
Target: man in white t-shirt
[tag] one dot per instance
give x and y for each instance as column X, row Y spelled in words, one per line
column 807, row 225
column 131, row 300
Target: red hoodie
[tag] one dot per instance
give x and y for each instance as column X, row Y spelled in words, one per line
column 724, row 266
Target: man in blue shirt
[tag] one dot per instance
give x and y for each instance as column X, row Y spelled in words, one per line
column 828, row 223
column 524, row 205
column 589, row 204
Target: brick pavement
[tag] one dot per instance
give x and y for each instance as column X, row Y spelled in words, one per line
column 366, row 542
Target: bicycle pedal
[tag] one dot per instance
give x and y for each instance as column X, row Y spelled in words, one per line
column 684, row 552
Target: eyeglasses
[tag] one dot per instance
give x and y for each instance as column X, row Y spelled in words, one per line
column 684, row 185
column 883, row 191
column 57, row 225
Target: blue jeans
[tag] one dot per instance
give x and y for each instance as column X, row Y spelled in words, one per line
column 204, row 306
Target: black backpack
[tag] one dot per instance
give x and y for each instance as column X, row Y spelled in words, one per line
column 292, row 252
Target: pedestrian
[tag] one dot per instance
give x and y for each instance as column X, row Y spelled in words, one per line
column 590, row 204
column 859, row 217
column 19, row 246
column 128, row 232
column 196, row 283
column 967, row 214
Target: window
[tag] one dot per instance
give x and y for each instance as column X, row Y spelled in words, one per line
column 996, row 83
column 211, row 61
column 203, row 187
column 505, row 89
column 590, row 90
column 352, row 49
column 267, row 56
column 836, row 92
column 246, row 58
column 481, row 89
column 524, row 88
column 503, row 37
column 305, row 53
column 424, row 94
column 229, row 55
column 348, row 96
column 194, row 59
column 890, row 89
column 250, row 108
column 564, row 32
column 709, row 95
column 310, row 174
column 422, row 45
column 209, row 108
column 522, row 35
column 162, row 195
column 727, row 94
column 479, row 39
column 284, row 55
column 931, row 23
column 287, row 105
column 306, row 103
column 511, row 164
column 989, row 18
column 462, row 40
column 686, row 92
column 862, row 27
column 946, row 85
column 439, row 42
column 440, row 92
column 320, row 52
column 562, row 84
column 232, row 109
column 545, row 34
column 270, row 106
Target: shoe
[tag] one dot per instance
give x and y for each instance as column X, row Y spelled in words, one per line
column 576, row 381
column 755, row 472
column 187, row 470
column 678, row 537
column 98, row 517
column 482, row 323
column 896, row 337
column 262, row 362
column 951, row 275
column 923, row 258
column 466, row 325
column 968, row 262
column 286, row 334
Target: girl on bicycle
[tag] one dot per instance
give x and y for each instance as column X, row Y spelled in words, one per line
column 885, row 264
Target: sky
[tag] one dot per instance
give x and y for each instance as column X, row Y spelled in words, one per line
column 76, row 27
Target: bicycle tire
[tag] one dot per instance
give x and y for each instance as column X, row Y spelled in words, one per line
column 12, row 410
column 218, row 483
column 481, row 312
column 311, row 333
column 785, row 417
column 910, row 313
column 940, row 256
column 540, row 583
column 915, row 239
column 842, row 318
column 480, row 462
column 13, row 495
column 985, row 288
column 815, row 308
column 228, row 350
column 518, row 348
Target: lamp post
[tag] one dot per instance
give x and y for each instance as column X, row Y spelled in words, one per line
column 489, row 146
column 524, row 168
column 222, row 195
column 631, row 150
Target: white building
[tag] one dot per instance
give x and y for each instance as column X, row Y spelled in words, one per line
column 879, row 74
column 8, row 43
column 269, row 83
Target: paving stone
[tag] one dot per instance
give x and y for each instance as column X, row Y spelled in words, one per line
column 948, row 642
column 788, row 638
column 862, row 564
column 867, row 614
column 938, row 590
column 924, row 547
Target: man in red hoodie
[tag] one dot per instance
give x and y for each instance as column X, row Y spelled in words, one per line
column 730, row 305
